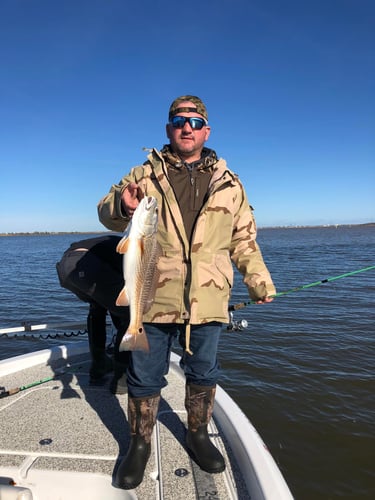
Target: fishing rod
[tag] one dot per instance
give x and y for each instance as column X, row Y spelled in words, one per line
column 15, row 390
column 10, row 392
column 241, row 305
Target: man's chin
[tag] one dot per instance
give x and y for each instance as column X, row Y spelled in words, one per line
column 187, row 145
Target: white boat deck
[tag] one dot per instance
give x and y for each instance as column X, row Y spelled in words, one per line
column 66, row 436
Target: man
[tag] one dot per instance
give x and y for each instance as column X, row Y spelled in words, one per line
column 205, row 221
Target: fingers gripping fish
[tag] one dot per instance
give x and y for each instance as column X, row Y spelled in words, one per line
column 141, row 251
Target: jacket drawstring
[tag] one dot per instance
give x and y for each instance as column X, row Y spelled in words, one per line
column 187, row 339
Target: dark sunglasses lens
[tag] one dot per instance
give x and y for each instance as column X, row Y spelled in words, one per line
column 178, row 121
column 195, row 123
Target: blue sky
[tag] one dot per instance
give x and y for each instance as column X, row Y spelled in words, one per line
column 85, row 85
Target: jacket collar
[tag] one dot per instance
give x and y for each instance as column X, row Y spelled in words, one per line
column 206, row 161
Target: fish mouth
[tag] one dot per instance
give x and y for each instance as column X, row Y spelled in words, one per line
column 150, row 202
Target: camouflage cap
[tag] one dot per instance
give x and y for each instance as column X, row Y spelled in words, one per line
column 200, row 107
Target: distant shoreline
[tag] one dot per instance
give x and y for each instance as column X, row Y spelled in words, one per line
column 322, row 226
column 56, row 233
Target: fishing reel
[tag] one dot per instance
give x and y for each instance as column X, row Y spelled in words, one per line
column 236, row 325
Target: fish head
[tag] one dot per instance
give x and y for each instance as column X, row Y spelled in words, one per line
column 145, row 218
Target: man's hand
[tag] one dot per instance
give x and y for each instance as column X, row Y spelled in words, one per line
column 130, row 198
column 265, row 300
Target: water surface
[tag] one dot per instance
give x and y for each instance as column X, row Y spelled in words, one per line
column 303, row 371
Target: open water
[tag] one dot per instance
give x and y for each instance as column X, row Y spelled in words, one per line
column 303, row 371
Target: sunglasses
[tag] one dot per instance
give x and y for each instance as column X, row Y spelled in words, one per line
column 195, row 122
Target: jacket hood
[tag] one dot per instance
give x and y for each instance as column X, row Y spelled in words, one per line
column 207, row 159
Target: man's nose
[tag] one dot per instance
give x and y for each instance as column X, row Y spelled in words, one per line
column 187, row 127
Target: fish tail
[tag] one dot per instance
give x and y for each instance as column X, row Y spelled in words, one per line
column 134, row 339
column 141, row 341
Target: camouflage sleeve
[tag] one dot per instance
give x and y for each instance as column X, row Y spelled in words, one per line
column 110, row 211
column 246, row 254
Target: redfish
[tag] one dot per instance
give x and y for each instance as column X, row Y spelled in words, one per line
column 141, row 251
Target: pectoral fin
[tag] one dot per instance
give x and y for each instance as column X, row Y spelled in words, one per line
column 141, row 246
column 123, row 244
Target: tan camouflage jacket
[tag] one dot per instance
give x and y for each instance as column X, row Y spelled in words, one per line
column 195, row 281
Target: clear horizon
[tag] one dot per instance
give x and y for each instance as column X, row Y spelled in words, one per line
column 289, row 89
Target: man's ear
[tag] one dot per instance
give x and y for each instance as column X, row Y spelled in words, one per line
column 208, row 131
column 167, row 130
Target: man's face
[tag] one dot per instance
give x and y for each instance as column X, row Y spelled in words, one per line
column 186, row 141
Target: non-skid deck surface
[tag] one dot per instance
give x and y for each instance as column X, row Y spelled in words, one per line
column 68, row 425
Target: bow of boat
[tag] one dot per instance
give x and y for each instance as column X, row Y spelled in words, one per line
column 65, row 435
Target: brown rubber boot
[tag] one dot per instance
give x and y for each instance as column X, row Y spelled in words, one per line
column 142, row 417
column 199, row 404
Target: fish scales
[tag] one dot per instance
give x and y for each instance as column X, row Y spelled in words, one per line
column 141, row 250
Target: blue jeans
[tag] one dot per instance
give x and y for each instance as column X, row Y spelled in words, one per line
column 146, row 373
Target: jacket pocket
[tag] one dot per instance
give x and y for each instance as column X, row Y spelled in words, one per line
column 215, row 270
